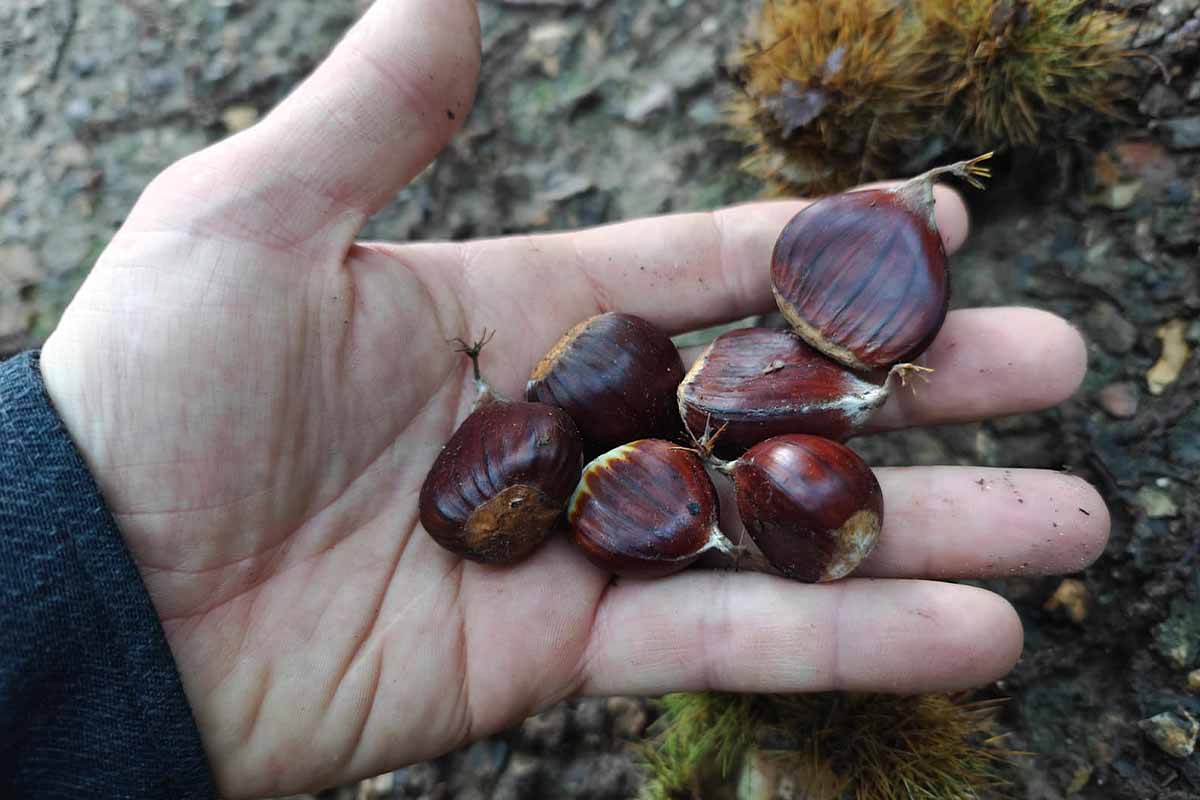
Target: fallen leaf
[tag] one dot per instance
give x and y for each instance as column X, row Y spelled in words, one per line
column 1175, row 353
column 1071, row 596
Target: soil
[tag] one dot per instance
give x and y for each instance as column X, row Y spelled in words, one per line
column 98, row 96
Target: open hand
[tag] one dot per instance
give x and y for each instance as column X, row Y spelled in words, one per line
column 259, row 397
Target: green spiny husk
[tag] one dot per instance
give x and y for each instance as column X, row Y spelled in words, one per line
column 828, row 746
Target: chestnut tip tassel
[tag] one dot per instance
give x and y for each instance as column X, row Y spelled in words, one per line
column 645, row 509
column 813, row 507
column 861, row 276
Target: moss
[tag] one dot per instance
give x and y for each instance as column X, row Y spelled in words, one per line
column 823, row 746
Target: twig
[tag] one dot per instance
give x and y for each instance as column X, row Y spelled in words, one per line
column 64, row 40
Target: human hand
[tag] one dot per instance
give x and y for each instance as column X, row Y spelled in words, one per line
column 260, row 397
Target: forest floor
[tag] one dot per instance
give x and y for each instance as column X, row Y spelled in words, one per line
column 597, row 110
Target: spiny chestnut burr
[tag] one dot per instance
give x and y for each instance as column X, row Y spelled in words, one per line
column 645, row 509
column 813, row 507
column 755, row 383
column 503, row 479
column 861, row 276
column 615, row 374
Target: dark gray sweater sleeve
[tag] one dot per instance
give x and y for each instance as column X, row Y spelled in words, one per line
column 91, row 704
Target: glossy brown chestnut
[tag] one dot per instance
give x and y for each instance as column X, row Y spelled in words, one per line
column 504, row 477
column 615, row 374
column 755, row 383
column 502, row 481
column 813, row 507
column 645, row 509
column 861, row 276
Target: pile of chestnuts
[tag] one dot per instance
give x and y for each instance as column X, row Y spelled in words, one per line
column 860, row 278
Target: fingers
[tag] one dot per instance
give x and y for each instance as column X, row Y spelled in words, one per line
column 757, row 633
column 683, row 271
column 371, row 117
column 970, row 522
column 987, row 363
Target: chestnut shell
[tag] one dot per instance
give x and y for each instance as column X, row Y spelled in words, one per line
column 755, row 383
column 645, row 509
column 502, row 481
column 616, row 375
column 813, row 507
column 862, row 277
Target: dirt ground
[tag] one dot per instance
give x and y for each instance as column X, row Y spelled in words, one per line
column 598, row 110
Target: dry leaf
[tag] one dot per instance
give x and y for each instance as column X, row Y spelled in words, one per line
column 1071, row 596
column 1175, row 353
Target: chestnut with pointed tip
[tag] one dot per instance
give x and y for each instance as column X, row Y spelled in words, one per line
column 616, row 375
column 813, row 507
column 755, row 383
column 503, row 479
column 861, row 276
column 645, row 509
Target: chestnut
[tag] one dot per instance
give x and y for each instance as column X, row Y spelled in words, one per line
column 755, row 383
column 503, row 480
column 645, row 509
column 813, row 507
column 861, row 276
column 616, row 375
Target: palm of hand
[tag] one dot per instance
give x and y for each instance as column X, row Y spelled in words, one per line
column 260, row 399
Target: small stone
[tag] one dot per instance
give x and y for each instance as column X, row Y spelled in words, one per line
column 486, row 758
column 1156, row 503
column 1182, row 133
column 1071, row 596
column 378, row 788
column 628, row 717
column 1192, row 335
column 1177, row 637
column 590, row 716
column 78, row 111
column 607, row 776
column 239, row 117
column 83, row 65
column 419, row 779
column 1108, row 328
column 520, row 780
column 1119, row 196
column 1193, row 681
column 158, row 81
column 70, row 154
column 545, row 731
column 15, row 320
column 19, row 266
column 1120, row 400
column 656, row 98
column 1173, row 731
column 1161, row 100
column 25, row 84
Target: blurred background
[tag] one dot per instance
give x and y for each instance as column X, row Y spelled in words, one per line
column 591, row 111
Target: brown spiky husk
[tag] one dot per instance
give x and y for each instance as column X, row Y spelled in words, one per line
column 1017, row 71
column 971, row 73
column 863, row 63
